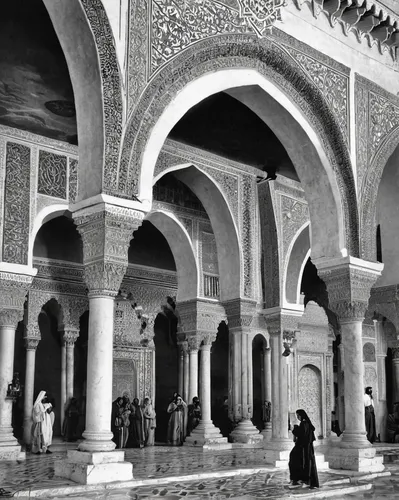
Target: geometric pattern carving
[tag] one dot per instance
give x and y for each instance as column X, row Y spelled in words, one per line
column 370, row 377
column 16, row 204
column 73, row 180
column 309, row 383
column 176, row 24
column 124, row 378
column 295, row 214
column 52, row 179
column 369, row 352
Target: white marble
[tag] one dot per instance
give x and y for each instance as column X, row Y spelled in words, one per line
column 97, row 434
column 186, row 375
column 28, row 392
column 193, row 381
column 63, row 382
column 70, row 354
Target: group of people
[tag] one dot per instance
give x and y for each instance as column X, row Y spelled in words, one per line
column 183, row 419
column 132, row 424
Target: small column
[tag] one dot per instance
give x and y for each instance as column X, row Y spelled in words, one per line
column 395, row 372
column 13, row 289
column 267, row 395
column 186, row 371
column 193, row 353
column 206, row 433
column 63, row 380
column 250, row 390
column 236, row 372
column 31, row 344
column 180, row 389
column 349, row 282
column 106, row 231
column 70, row 337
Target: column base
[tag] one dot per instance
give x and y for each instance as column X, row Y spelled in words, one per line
column 246, row 432
column 267, row 432
column 205, row 434
column 360, row 460
column 11, row 452
column 94, row 467
column 277, row 452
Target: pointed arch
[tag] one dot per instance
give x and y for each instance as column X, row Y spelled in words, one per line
column 297, row 256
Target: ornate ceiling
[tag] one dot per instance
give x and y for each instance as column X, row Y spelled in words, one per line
column 35, row 89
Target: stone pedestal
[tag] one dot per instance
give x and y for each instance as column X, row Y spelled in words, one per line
column 360, row 460
column 267, row 432
column 94, row 468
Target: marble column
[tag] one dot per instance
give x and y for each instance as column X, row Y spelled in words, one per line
column 395, row 372
column 186, row 371
column 206, row 433
column 70, row 337
column 181, row 369
column 349, row 282
column 31, row 344
column 106, row 231
column 236, row 372
column 63, row 381
column 193, row 354
column 13, row 290
column 267, row 394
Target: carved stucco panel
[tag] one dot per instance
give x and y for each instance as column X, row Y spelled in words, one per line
column 310, row 395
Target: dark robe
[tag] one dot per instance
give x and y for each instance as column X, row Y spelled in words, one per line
column 370, row 423
column 393, row 428
column 136, row 438
column 302, row 462
column 194, row 417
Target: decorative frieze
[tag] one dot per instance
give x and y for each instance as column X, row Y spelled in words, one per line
column 240, row 313
column 199, row 317
column 16, row 204
column 13, row 290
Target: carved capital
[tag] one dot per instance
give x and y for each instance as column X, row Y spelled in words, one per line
column 31, row 343
column 282, row 322
column 70, row 336
column 13, row 290
column 183, row 345
column 349, row 283
column 106, row 232
column 395, row 352
column 33, row 331
column 193, row 343
column 208, row 339
column 241, row 313
column 199, row 317
column 72, row 309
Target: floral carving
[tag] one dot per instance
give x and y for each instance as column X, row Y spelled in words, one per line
column 106, row 232
column 31, row 343
column 16, row 204
column 73, row 180
column 52, row 178
column 13, row 290
column 199, row 318
column 70, row 336
column 369, row 352
column 295, row 214
column 384, row 117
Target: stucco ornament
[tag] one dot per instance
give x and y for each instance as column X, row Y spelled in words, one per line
column 13, row 290
column 106, row 232
column 131, row 324
column 199, row 318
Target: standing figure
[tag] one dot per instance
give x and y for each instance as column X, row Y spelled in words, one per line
column 193, row 415
column 302, row 462
column 71, row 420
column 149, row 422
column 266, row 413
column 177, row 425
column 369, row 414
column 42, row 428
column 136, row 424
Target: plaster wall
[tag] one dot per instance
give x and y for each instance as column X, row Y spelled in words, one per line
column 388, row 218
column 346, row 49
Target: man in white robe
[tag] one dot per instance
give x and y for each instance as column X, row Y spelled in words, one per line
column 42, row 427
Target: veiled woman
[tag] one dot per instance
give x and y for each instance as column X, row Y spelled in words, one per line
column 42, row 428
column 177, row 426
column 302, row 462
column 149, row 422
column 136, row 424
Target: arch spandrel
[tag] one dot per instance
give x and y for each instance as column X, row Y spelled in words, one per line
column 96, row 83
column 188, row 79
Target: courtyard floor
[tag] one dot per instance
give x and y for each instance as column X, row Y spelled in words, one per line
column 175, row 473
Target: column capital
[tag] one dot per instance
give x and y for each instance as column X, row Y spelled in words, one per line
column 70, row 336
column 241, row 313
column 106, row 231
column 31, row 343
column 282, row 322
column 13, row 290
column 199, row 317
column 193, row 343
column 183, row 344
column 349, row 281
column 395, row 352
column 72, row 309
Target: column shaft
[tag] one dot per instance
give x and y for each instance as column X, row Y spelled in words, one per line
column 99, row 376
column 29, row 391
column 181, row 371
column 267, row 374
column 395, row 374
column 193, row 386
column 244, row 375
column 7, row 341
column 250, row 392
column 355, row 430
column 236, row 369
column 206, row 383
column 284, row 397
column 70, row 355
column 186, row 378
column 275, row 346
column 63, row 382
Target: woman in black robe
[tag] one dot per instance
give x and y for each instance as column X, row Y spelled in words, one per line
column 302, row 458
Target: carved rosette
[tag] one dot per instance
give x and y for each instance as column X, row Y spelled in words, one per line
column 13, row 290
column 241, row 314
column 348, row 289
column 70, row 337
column 106, row 232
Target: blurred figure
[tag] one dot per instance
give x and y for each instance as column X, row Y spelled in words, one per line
column 42, row 427
column 193, row 415
column 71, row 420
column 177, row 426
column 149, row 422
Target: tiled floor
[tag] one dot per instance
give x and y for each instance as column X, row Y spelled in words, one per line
column 160, row 463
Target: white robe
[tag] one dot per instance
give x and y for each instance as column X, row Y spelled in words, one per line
column 42, row 427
